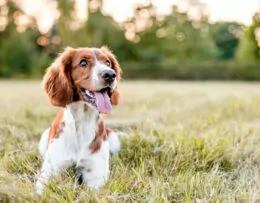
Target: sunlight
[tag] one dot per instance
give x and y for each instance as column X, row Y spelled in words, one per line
column 231, row 10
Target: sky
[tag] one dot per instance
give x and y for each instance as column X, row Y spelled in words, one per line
column 228, row 10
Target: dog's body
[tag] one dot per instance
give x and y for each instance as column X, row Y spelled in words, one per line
column 78, row 135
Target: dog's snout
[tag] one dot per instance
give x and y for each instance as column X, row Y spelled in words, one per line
column 108, row 75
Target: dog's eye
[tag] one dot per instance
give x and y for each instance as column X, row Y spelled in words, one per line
column 83, row 63
column 108, row 63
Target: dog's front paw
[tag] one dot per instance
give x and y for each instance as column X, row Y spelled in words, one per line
column 114, row 143
column 39, row 187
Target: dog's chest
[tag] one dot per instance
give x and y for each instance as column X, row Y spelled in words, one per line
column 81, row 120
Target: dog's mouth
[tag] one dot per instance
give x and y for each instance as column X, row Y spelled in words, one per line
column 99, row 99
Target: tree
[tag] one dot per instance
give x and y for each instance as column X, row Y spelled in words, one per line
column 245, row 49
column 173, row 38
column 141, row 30
column 18, row 48
column 254, row 36
column 249, row 46
column 226, row 37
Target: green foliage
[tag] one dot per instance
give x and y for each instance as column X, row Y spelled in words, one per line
column 193, row 71
column 20, row 56
column 187, row 40
column 226, row 37
column 148, row 45
column 249, row 49
column 254, row 36
column 244, row 53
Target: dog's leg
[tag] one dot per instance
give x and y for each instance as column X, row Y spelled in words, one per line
column 43, row 144
column 114, row 142
column 94, row 170
column 55, row 158
column 44, row 175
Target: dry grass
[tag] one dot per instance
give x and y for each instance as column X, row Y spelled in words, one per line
column 189, row 141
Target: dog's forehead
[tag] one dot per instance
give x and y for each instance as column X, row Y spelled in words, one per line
column 81, row 53
column 99, row 54
column 89, row 53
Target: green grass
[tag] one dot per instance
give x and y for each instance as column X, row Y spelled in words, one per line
column 189, row 142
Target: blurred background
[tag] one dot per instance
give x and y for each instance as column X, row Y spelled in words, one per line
column 152, row 39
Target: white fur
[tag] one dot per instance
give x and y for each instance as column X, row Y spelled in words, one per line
column 72, row 147
column 114, row 143
column 44, row 142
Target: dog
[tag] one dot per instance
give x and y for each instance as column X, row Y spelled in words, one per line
column 84, row 82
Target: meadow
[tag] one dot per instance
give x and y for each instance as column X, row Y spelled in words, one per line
column 188, row 142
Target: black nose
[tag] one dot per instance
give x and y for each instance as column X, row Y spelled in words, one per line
column 108, row 75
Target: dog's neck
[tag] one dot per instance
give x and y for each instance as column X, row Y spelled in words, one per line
column 85, row 118
column 81, row 109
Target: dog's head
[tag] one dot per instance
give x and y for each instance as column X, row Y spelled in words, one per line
column 88, row 74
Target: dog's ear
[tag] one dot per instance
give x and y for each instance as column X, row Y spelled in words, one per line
column 57, row 80
column 115, row 94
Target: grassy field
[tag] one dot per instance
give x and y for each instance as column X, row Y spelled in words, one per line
column 189, row 142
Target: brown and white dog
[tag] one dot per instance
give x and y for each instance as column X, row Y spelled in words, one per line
column 84, row 83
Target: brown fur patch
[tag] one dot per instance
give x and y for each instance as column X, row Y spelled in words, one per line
column 57, row 126
column 115, row 96
column 81, row 75
column 57, row 80
column 85, row 108
column 101, row 135
column 108, row 131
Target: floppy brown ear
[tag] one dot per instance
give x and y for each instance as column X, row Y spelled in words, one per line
column 57, row 81
column 115, row 94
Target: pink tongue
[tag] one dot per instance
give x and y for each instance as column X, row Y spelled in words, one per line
column 103, row 102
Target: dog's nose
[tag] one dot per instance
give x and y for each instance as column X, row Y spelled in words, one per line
column 108, row 75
